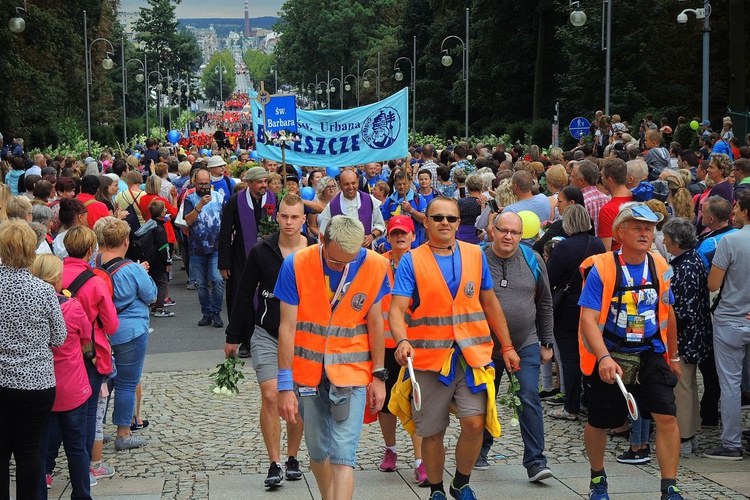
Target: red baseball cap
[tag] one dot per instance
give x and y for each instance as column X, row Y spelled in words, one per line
column 402, row 222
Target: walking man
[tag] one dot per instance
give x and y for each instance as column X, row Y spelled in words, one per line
column 522, row 287
column 628, row 328
column 261, row 273
column 448, row 328
column 331, row 346
column 203, row 217
column 240, row 221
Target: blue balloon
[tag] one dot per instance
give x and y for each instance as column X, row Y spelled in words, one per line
column 233, row 158
column 173, row 136
column 137, row 155
column 307, row 193
column 209, row 152
column 299, row 172
column 204, row 151
column 254, row 155
column 333, row 171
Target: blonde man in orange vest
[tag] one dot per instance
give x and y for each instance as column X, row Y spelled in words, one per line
column 400, row 235
column 628, row 328
column 331, row 348
column 448, row 330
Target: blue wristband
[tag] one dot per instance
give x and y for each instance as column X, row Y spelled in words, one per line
column 284, row 380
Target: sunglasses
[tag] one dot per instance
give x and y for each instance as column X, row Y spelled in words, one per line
column 440, row 218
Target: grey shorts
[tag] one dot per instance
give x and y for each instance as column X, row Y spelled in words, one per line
column 264, row 349
column 434, row 416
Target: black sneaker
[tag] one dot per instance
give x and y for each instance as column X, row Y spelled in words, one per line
column 292, row 472
column 218, row 323
column 635, row 457
column 205, row 321
column 545, row 395
column 275, row 476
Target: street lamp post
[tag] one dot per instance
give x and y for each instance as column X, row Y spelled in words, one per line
column 578, row 19
column 275, row 80
column 311, row 94
column 348, row 87
column 106, row 64
column 221, row 78
column 327, row 90
column 400, row 76
column 138, row 78
column 447, row 60
column 158, row 87
column 704, row 14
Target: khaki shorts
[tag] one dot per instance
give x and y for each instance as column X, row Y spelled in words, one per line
column 437, row 398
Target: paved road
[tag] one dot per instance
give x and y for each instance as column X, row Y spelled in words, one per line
column 205, row 446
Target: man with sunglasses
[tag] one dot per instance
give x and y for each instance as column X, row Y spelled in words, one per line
column 522, row 287
column 331, row 347
column 628, row 329
column 447, row 336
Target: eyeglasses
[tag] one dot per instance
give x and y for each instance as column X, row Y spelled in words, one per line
column 440, row 218
column 337, row 262
column 504, row 232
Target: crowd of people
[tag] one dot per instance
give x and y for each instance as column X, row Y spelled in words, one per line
column 350, row 288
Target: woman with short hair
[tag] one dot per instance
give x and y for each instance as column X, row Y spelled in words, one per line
column 30, row 324
column 134, row 290
column 73, row 213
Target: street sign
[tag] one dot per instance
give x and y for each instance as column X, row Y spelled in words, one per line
column 281, row 114
column 579, row 127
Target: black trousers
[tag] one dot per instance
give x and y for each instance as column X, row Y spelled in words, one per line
column 23, row 419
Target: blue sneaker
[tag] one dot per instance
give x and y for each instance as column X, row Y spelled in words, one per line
column 672, row 493
column 438, row 495
column 598, row 489
column 465, row 493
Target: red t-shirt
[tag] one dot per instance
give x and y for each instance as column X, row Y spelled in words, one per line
column 607, row 216
column 96, row 209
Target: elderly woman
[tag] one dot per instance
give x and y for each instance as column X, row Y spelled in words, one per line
column 470, row 207
column 565, row 283
column 31, row 323
column 134, row 290
column 718, row 172
column 42, row 214
column 694, row 329
column 326, row 190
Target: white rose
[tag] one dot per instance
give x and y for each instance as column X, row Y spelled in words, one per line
column 216, row 390
column 513, row 422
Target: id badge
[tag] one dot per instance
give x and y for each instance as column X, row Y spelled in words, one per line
column 636, row 328
column 306, row 392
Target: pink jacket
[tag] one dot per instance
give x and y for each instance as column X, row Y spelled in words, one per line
column 96, row 300
column 73, row 387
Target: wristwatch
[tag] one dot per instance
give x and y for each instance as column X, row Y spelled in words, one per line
column 381, row 374
column 548, row 345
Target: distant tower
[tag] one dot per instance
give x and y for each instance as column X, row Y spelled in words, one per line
column 247, row 21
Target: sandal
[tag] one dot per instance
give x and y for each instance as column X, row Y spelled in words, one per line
column 562, row 414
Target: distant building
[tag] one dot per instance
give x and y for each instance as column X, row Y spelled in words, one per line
column 127, row 20
column 247, row 21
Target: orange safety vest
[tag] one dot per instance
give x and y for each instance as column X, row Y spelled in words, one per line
column 606, row 265
column 337, row 340
column 439, row 320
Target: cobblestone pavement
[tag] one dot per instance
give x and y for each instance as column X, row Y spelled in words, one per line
column 195, row 435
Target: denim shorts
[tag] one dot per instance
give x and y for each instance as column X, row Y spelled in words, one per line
column 326, row 437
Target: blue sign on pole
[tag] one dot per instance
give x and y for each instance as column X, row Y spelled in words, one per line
column 579, row 127
column 281, row 114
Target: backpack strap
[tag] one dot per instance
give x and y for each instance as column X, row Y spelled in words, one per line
column 229, row 185
column 80, row 280
column 89, row 202
column 528, row 255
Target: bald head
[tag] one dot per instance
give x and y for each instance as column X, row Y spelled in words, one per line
column 509, row 219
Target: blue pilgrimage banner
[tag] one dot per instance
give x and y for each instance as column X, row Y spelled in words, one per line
column 342, row 138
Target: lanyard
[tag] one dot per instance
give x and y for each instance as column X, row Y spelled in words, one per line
column 629, row 279
column 339, row 290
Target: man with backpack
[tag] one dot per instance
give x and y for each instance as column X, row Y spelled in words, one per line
column 522, row 287
column 128, row 200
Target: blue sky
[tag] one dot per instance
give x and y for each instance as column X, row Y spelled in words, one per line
column 220, row 8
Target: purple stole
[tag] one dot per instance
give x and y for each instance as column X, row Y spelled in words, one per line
column 247, row 218
column 365, row 210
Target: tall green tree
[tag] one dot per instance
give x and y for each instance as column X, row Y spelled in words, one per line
column 258, row 64
column 219, row 76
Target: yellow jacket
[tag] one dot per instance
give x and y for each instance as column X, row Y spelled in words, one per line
column 400, row 402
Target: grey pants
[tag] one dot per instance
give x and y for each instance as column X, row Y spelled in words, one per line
column 732, row 352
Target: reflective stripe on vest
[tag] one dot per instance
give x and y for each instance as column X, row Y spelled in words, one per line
column 440, row 320
column 606, row 266
column 337, row 340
